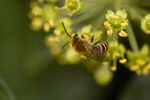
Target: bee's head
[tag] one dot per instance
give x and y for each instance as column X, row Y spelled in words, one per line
column 77, row 38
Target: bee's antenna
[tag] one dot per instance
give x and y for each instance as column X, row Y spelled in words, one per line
column 65, row 30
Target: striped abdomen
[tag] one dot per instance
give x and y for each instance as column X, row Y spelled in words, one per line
column 99, row 50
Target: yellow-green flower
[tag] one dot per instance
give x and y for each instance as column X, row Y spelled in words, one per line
column 139, row 62
column 73, row 6
column 116, row 51
column 43, row 16
column 116, row 22
column 145, row 24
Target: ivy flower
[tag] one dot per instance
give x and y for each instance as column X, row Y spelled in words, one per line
column 139, row 62
column 73, row 6
column 43, row 16
column 116, row 22
column 116, row 51
column 145, row 24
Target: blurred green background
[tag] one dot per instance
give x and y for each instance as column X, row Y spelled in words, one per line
column 29, row 73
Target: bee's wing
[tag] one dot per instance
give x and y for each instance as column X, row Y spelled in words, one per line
column 88, row 47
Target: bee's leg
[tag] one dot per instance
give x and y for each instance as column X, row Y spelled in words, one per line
column 92, row 39
column 64, row 45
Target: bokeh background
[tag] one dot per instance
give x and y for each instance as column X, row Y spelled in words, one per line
column 28, row 72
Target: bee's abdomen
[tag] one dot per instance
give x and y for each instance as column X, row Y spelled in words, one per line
column 103, row 46
column 100, row 49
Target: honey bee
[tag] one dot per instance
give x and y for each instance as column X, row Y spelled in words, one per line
column 85, row 47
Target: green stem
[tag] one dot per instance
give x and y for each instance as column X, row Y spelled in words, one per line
column 7, row 89
column 134, row 14
column 131, row 36
column 117, row 4
column 132, row 39
column 113, row 37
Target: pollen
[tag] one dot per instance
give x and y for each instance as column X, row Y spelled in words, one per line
column 46, row 27
column 52, row 39
column 124, row 24
column 116, row 54
column 123, row 61
column 123, row 33
column 107, row 24
column 113, row 68
column 109, row 32
column 36, row 24
column 51, row 22
column 113, row 16
column 36, row 10
column 57, row 32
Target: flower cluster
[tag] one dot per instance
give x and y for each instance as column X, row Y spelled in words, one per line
column 145, row 24
column 73, row 6
column 116, row 22
column 139, row 62
column 42, row 15
column 116, row 51
column 45, row 14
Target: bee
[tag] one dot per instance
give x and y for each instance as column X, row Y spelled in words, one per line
column 85, row 47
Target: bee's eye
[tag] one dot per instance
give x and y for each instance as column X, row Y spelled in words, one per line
column 82, row 36
column 75, row 35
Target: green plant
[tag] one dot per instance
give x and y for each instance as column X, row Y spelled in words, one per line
column 78, row 17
